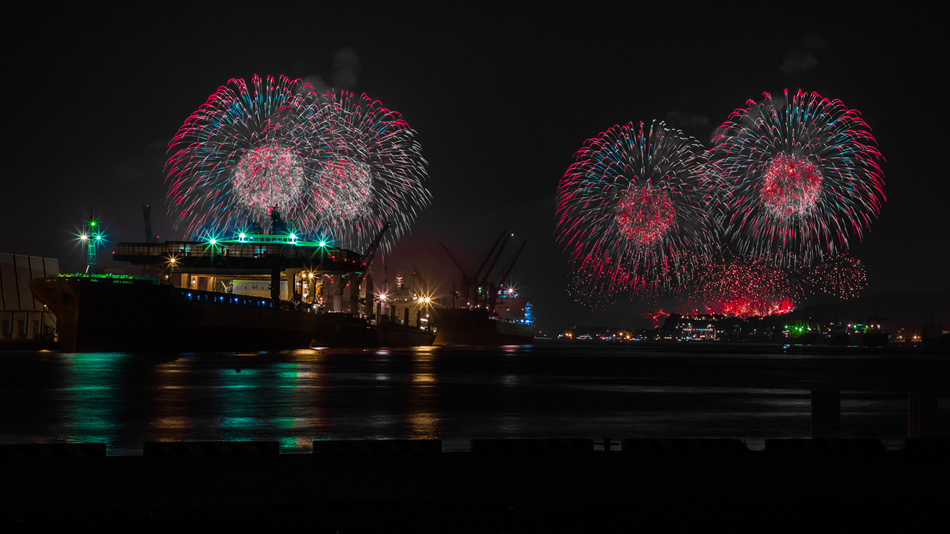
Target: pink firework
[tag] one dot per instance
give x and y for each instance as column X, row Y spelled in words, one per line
column 231, row 163
column 332, row 164
column 644, row 215
column 632, row 210
column 790, row 187
column 368, row 169
column 269, row 176
column 801, row 176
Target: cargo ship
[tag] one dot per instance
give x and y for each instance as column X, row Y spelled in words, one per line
column 481, row 313
column 463, row 326
column 111, row 313
column 255, row 292
column 359, row 332
column 123, row 313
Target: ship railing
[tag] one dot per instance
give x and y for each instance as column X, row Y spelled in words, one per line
column 182, row 249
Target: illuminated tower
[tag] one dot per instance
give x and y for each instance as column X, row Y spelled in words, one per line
column 91, row 237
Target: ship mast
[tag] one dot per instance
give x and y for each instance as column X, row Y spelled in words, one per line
column 91, row 237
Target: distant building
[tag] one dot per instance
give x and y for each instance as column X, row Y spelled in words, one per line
column 690, row 327
column 23, row 318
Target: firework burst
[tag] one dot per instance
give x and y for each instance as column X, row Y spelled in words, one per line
column 742, row 287
column 801, row 178
column 231, row 164
column 333, row 164
column 632, row 209
column 373, row 172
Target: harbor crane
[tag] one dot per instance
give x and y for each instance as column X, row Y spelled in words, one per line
column 354, row 279
column 493, row 292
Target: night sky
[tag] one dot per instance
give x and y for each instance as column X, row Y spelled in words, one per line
column 500, row 101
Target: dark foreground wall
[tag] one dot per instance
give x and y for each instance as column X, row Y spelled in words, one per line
column 472, row 492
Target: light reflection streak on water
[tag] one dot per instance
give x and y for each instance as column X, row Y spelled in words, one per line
column 239, row 403
column 510, row 380
column 511, row 425
column 169, row 407
column 422, row 418
column 89, row 405
column 180, row 424
column 686, row 390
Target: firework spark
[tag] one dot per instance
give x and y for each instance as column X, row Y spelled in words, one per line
column 632, row 209
column 373, row 173
column 742, row 287
column 333, row 164
column 801, row 176
column 843, row 277
column 231, row 164
column 268, row 176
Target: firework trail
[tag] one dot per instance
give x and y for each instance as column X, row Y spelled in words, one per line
column 632, row 210
column 330, row 163
column 801, row 178
column 373, row 172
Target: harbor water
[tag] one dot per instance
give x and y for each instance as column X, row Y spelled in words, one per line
column 546, row 390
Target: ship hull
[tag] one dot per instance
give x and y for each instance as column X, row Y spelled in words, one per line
column 356, row 332
column 131, row 315
column 456, row 326
column 397, row 335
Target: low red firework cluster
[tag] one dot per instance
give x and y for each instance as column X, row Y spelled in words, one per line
column 745, row 288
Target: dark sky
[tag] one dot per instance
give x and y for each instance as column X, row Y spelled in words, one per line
column 500, row 101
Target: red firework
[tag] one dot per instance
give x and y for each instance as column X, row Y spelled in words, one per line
column 745, row 288
column 790, row 186
column 644, row 215
column 842, row 276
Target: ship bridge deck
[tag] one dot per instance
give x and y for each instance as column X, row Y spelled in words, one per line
column 239, row 258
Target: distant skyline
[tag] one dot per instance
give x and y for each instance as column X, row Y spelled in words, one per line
column 500, row 105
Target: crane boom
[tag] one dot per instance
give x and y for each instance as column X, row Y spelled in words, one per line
column 484, row 279
column 494, row 296
column 487, row 256
column 455, row 261
column 370, row 253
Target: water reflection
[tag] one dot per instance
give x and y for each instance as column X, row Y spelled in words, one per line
column 453, row 394
column 89, row 399
column 422, row 418
column 168, row 406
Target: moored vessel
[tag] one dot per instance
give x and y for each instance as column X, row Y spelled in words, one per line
column 474, row 318
column 463, row 326
column 108, row 313
column 255, row 292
